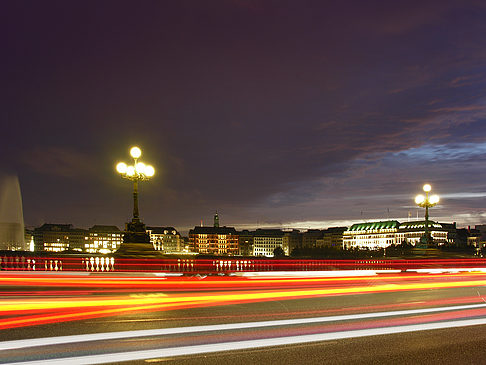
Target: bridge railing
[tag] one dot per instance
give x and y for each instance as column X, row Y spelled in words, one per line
column 31, row 261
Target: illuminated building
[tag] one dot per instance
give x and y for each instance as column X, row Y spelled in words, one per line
column 214, row 240
column 413, row 233
column 59, row 237
column 103, row 239
column 265, row 241
column 165, row 239
column 371, row 235
column 29, row 239
column 77, row 239
column 374, row 235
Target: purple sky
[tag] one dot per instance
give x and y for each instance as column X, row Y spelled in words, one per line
column 283, row 113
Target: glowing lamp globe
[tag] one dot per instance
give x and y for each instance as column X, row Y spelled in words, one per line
column 135, row 152
column 434, row 199
column 131, row 171
column 140, row 167
column 149, row 170
column 121, row 167
column 419, row 199
column 427, row 188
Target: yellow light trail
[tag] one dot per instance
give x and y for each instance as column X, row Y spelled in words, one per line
column 22, row 305
column 28, row 280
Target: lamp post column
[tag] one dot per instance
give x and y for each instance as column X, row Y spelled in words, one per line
column 136, row 217
column 426, row 202
column 427, row 218
column 136, row 240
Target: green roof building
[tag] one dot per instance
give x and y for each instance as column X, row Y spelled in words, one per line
column 371, row 235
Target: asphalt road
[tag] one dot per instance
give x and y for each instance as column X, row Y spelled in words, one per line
column 385, row 318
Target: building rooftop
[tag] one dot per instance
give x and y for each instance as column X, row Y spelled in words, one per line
column 100, row 228
column 55, row 227
column 213, row 230
column 161, row 230
column 419, row 224
column 372, row 226
column 275, row 232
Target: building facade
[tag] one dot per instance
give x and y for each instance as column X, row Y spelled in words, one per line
column 291, row 240
column 103, row 239
column 165, row 239
column 371, row 235
column 332, row 237
column 245, row 243
column 59, row 237
column 375, row 235
column 310, row 237
column 265, row 241
column 412, row 233
column 214, row 240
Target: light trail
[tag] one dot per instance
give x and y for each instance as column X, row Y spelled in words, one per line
column 22, row 305
column 249, row 278
column 161, row 353
column 68, row 309
column 151, row 294
column 17, row 344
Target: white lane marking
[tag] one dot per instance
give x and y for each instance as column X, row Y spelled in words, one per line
column 46, row 341
column 248, row 344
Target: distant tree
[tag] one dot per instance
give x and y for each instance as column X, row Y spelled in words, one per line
column 278, row 252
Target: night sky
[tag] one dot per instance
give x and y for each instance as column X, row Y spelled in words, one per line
column 273, row 113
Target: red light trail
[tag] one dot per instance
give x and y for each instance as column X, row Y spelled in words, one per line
column 162, row 294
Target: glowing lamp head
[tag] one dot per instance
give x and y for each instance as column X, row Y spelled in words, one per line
column 427, row 188
column 131, row 171
column 121, row 167
column 419, row 199
column 434, row 199
column 140, row 167
column 149, row 171
column 135, row 152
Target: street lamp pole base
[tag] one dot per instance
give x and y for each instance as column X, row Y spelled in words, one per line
column 137, row 250
column 136, row 242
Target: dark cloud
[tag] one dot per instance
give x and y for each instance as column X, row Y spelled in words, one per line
column 60, row 162
column 270, row 111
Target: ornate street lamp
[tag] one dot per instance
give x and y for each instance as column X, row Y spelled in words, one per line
column 136, row 172
column 426, row 202
column 135, row 230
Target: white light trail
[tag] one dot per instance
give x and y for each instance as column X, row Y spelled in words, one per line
column 46, row 341
column 249, row 344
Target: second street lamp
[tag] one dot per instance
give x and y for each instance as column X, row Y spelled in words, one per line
column 136, row 172
column 426, row 202
column 136, row 241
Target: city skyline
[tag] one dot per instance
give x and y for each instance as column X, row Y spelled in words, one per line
column 293, row 115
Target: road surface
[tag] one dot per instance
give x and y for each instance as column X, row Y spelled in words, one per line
column 314, row 318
